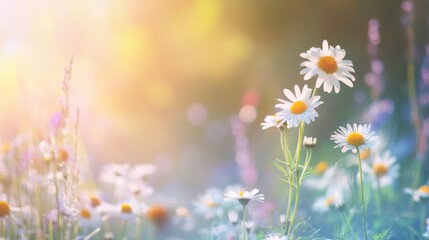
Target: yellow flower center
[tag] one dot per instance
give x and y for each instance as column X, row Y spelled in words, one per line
column 4, row 209
column 95, row 201
column 85, row 213
column 320, row 168
column 364, row 154
column 5, row 148
column 328, row 64
column 241, row 193
column 62, row 155
column 329, row 201
column 298, row 107
column 424, row 189
column 380, row 169
column 212, row 204
column 126, row 208
column 355, row 139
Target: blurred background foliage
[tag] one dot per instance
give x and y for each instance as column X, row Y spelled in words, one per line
column 158, row 81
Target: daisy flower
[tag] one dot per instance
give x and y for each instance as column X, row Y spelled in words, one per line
column 245, row 196
column 382, row 170
column 233, row 217
column 351, row 138
column 329, row 64
column 125, row 211
column 273, row 121
column 300, row 107
column 88, row 219
column 141, row 171
column 421, row 193
column 334, row 198
column 210, row 204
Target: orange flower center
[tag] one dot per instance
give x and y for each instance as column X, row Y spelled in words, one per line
column 85, row 213
column 4, row 209
column 95, row 201
column 364, row 154
column 63, row 155
column 5, row 148
column 320, row 168
column 126, row 208
column 298, row 107
column 424, row 189
column 158, row 214
column 355, row 139
column 329, row 201
column 212, row 204
column 380, row 169
column 328, row 64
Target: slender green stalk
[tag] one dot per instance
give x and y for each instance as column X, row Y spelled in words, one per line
column 422, row 219
column 307, row 161
column 57, row 201
column 299, row 144
column 244, row 223
column 295, row 208
column 347, row 222
column 381, row 202
column 283, row 141
column 123, row 229
column 289, row 204
column 362, row 194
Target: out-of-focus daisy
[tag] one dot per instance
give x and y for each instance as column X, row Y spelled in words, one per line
column 300, row 107
column 275, row 237
column 320, row 168
column 274, row 121
column 141, row 171
column 233, row 217
column 329, row 64
column 139, row 189
column 127, row 210
column 334, row 198
column 351, row 138
column 115, row 173
column 332, row 176
column 244, row 196
column 250, row 225
column 421, row 193
column 88, row 219
column 8, row 211
column 209, row 204
column 183, row 219
column 46, row 150
column 382, row 170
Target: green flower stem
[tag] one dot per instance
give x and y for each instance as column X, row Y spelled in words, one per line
column 307, row 161
column 244, row 223
column 362, row 194
column 422, row 219
column 299, row 144
column 289, row 204
column 381, row 204
column 295, row 208
column 288, row 160
column 347, row 222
